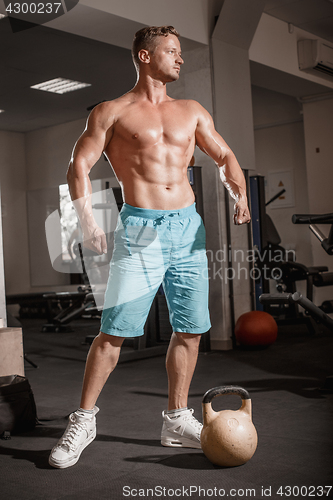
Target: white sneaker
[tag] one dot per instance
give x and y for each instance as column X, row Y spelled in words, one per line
column 80, row 431
column 181, row 431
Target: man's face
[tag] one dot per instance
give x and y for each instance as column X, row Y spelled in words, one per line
column 165, row 60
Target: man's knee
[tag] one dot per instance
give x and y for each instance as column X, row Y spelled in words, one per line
column 107, row 341
column 188, row 339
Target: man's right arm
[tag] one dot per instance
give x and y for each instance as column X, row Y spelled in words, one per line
column 86, row 153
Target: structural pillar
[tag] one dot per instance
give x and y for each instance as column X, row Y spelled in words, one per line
column 230, row 43
column 3, row 314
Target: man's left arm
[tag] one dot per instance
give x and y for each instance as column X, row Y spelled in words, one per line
column 211, row 143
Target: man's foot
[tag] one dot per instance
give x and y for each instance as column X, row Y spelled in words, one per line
column 181, row 430
column 80, row 431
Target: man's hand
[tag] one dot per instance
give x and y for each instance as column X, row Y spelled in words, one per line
column 242, row 213
column 95, row 240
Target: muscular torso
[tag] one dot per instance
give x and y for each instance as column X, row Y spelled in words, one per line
column 150, row 148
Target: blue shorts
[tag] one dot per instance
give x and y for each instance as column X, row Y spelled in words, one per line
column 154, row 247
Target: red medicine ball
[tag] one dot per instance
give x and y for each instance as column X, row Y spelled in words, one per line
column 256, row 328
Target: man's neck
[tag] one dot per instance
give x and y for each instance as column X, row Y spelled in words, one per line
column 152, row 90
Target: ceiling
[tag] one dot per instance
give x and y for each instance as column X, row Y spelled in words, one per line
column 35, row 55
column 314, row 16
column 40, row 54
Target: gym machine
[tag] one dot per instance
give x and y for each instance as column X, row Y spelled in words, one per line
column 319, row 313
column 273, row 262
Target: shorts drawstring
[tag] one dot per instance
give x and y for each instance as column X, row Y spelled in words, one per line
column 159, row 220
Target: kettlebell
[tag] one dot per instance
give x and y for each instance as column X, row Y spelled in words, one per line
column 228, row 437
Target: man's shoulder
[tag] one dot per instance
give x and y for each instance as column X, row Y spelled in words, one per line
column 190, row 104
column 107, row 111
column 106, row 107
column 192, row 108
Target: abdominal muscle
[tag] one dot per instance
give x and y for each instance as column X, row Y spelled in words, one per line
column 153, row 180
column 158, row 196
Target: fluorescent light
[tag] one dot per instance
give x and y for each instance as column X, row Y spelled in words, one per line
column 60, row 86
column 2, row 110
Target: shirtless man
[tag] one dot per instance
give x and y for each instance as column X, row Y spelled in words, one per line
column 149, row 139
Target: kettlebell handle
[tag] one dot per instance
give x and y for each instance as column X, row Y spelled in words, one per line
column 223, row 391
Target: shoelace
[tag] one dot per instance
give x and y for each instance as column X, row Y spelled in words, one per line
column 190, row 418
column 70, row 437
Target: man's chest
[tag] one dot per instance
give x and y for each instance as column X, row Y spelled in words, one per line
column 145, row 126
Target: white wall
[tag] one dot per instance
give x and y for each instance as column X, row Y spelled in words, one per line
column 13, row 182
column 274, row 108
column 292, row 144
column 318, row 130
column 280, row 146
column 48, row 152
column 275, row 47
column 3, row 313
column 31, row 168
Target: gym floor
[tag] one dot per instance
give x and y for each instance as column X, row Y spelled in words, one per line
column 291, row 412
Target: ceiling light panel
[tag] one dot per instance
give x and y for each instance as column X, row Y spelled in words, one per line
column 60, row 86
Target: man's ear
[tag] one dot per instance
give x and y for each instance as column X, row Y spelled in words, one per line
column 144, row 56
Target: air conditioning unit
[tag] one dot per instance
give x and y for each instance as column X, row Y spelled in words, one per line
column 315, row 55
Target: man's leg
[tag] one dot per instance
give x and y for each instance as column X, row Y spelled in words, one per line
column 180, row 427
column 181, row 360
column 101, row 361
column 81, row 429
